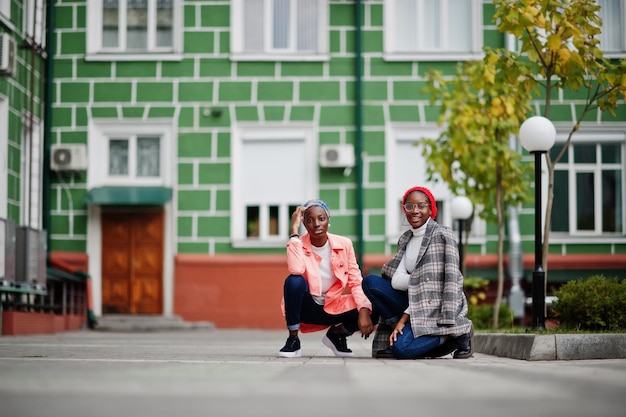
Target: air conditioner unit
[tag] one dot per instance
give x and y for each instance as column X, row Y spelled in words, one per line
column 8, row 55
column 30, row 258
column 68, row 157
column 340, row 156
column 7, row 253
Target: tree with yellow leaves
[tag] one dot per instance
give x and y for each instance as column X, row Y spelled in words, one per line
column 560, row 39
column 482, row 106
column 486, row 101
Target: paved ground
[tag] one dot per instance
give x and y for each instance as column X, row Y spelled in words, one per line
column 236, row 373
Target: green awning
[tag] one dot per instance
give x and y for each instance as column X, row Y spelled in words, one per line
column 129, row 196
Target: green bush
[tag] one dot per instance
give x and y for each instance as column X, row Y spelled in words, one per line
column 596, row 303
column 482, row 316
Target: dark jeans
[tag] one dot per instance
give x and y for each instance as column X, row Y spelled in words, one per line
column 408, row 346
column 301, row 308
column 387, row 301
column 391, row 303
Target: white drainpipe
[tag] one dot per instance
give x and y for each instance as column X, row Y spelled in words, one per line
column 516, row 266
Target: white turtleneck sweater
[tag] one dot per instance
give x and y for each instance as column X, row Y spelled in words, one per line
column 400, row 279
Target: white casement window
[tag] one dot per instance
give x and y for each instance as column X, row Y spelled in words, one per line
column 433, row 30
column 5, row 9
column 130, row 154
column 589, row 187
column 406, row 168
column 4, row 157
column 279, row 29
column 133, row 29
column 273, row 171
column 613, row 36
column 35, row 21
column 134, row 157
column 31, row 174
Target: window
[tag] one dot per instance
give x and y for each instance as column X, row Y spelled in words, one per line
column 134, row 157
column 35, row 21
column 426, row 29
column 5, row 8
column 613, row 36
column 32, row 174
column 4, row 158
column 279, row 29
column 126, row 28
column 125, row 153
column 589, row 189
column 405, row 169
column 273, row 172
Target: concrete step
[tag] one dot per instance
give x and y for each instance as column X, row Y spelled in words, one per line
column 146, row 323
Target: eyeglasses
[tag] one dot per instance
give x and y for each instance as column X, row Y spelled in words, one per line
column 410, row 206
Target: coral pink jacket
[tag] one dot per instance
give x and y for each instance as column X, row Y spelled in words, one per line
column 346, row 293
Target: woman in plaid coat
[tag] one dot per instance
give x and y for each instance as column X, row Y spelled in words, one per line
column 420, row 294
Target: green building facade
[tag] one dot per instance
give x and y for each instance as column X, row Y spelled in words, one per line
column 224, row 115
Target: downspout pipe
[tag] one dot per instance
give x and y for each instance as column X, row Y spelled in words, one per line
column 358, row 148
column 516, row 265
column 47, row 135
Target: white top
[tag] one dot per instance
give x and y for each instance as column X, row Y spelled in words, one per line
column 327, row 277
column 400, row 279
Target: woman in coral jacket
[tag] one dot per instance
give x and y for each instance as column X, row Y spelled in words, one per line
column 324, row 286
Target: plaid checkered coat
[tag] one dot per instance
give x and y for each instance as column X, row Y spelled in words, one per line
column 437, row 303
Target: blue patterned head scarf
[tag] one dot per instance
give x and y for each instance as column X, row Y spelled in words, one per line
column 320, row 203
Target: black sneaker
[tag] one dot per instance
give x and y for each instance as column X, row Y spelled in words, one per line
column 291, row 348
column 337, row 343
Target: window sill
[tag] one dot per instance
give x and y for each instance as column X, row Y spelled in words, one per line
column 133, row 57
column 409, row 56
column 587, row 239
column 249, row 244
column 321, row 57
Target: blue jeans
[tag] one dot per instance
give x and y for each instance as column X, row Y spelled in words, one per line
column 386, row 301
column 301, row 308
column 407, row 346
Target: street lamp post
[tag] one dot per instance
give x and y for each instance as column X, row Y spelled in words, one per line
column 537, row 135
column 461, row 209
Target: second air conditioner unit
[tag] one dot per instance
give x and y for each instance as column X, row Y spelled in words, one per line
column 68, row 157
column 340, row 156
column 8, row 55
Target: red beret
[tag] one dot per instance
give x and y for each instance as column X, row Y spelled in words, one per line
column 433, row 203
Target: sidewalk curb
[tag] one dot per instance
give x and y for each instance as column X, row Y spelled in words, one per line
column 552, row 347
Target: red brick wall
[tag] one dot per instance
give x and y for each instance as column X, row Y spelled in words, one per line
column 244, row 291
column 230, row 291
column 16, row 323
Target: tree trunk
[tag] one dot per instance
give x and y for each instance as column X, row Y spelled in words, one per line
column 500, row 212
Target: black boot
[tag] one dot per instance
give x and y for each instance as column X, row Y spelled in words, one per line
column 465, row 344
column 446, row 348
column 384, row 354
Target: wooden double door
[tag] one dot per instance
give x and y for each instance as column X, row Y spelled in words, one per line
column 132, row 262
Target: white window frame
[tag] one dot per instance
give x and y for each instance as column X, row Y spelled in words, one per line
column 289, row 54
column 590, row 137
column 36, row 33
column 622, row 30
column 396, row 184
column 305, row 133
column 392, row 53
column 95, row 51
column 5, row 10
column 4, row 159
column 102, row 131
column 31, row 174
